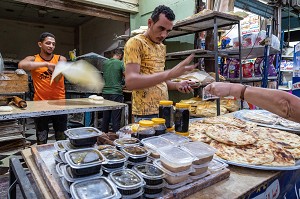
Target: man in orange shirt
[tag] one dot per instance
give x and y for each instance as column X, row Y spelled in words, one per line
column 41, row 67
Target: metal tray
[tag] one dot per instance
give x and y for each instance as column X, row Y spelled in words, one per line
column 240, row 115
column 262, row 167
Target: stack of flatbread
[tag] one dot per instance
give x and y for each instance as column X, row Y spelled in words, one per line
column 244, row 142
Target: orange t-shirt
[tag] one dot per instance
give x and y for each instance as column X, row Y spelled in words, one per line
column 41, row 81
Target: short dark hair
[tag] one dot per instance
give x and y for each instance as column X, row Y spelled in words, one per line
column 118, row 51
column 46, row 34
column 162, row 9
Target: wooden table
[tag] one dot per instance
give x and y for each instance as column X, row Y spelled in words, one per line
column 240, row 182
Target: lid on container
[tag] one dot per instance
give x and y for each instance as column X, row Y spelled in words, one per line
column 83, row 158
column 70, row 177
column 158, row 120
column 158, row 164
column 58, row 168
column 182, row 105
column 149, row 171
column 69, row 147
column 126, row 179
column 135, row 151
column 104, row 147
column 57, row 158
column 82, row 132
column 199, row 149
column 176, row 155
column 113, row 155
column 216, row 165
column 126, row 141
column 58, row 145
column 155, row 142
column 94, row 189
column 165, row 102
column 146, row 123
column 174, row 138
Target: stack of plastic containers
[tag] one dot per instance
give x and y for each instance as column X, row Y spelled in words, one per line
column 122, row 142
column 115, row 160
column 128, row 182
column 203, row 155
column 135, row 155
column 153, row 176
column 176, row 163
column 152, row 144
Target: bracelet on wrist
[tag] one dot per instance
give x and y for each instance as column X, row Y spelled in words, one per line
column 242, row 96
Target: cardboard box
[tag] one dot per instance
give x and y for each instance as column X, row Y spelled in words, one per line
column 13, row 83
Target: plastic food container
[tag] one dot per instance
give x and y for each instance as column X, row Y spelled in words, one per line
column 203, row 152
column 127, row 181
column 134, row 196
column 174, row 138
column 150, row 173
column 121, row 142
column 174, row 177
column 145, row 129
column 199, row 170
column 69, row 147
column 153, row 143
column 58, row 168
column 58, row 145
column 83, row 136
column 197, row 177
column 154, row 189
column 70, row 177
column 84, row 161
column 94, row 189
column 175, row 159
column 107, row 171
column 115, row 158
column 216, row 165
column 104, row 146
column 136, row 153
column 57, row 159
column 178, row 185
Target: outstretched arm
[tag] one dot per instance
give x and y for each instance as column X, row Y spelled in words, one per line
column 276, row 101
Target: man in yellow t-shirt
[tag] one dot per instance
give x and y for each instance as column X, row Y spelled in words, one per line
column 41, row 67
column 144, row 58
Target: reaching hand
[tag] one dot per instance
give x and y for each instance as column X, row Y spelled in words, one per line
column 219, row 89
column 51, row 66
column 184, row 86
column 182, row 67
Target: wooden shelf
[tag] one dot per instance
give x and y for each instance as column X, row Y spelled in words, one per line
column 203, row 22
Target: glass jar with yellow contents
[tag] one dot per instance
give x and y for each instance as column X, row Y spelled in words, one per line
column 182, row 117
column 145, row 129
column 159, row 126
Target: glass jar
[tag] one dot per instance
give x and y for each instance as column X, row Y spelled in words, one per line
column 145, row 129
column 159, row 126
column 166, row 111
column 182, row 116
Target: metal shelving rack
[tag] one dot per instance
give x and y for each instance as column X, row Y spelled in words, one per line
column 213, row 20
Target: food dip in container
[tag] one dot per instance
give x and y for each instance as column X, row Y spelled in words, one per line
column 70, row 177
column 104, row 146
column 175, row 139
column 83, row 136
column 203, row 152
column 150, row 173
column 84, row 161
column 127, row 181
column 121, row 142
column 135, row 153
column 153, row 143
column 115, row 158
column 97, row 188
column 174, row 177
column 175, row 159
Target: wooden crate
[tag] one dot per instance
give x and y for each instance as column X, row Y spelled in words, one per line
column 13, row 83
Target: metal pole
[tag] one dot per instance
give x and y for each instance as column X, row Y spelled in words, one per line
column 216, row 59
column 268, row 41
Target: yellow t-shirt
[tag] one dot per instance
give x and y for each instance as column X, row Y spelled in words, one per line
column 151, row 58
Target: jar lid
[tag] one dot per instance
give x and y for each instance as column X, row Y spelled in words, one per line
column 165, row 102
column 146, row 123
column 182, row 105
column 158, row 120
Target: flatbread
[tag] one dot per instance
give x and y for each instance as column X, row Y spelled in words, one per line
column 230, row 135
column 287, row 140
column 260, row 117
column 226, row 121
column 282, row 157
column 197, row 131
column 243, row 154
column 295, row 152
column 81, row 73
column 289, row 124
